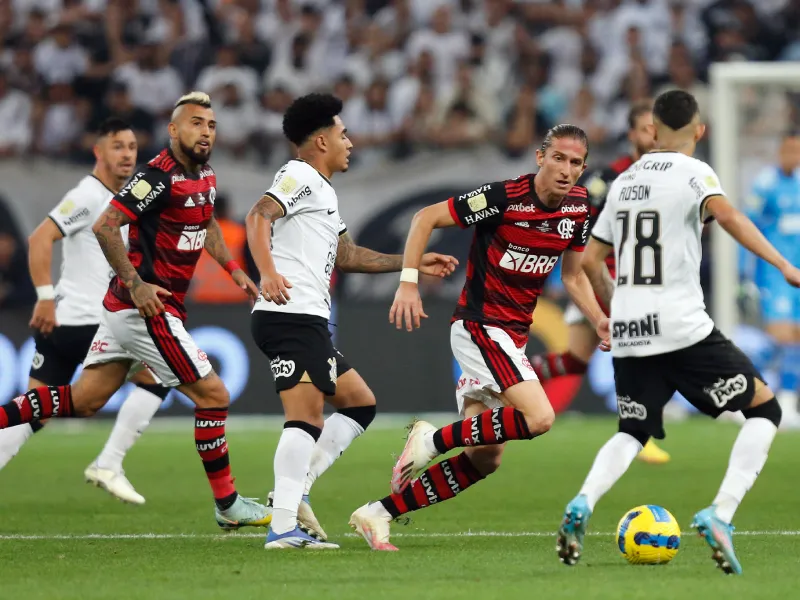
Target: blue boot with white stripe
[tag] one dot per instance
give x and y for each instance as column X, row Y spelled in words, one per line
column 299, row 537
column 572, row 531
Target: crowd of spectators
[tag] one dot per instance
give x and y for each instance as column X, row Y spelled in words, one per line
column 413, row 74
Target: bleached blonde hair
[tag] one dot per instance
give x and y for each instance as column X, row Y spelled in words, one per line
column 197, row 98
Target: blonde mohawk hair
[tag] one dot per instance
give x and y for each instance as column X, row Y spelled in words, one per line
column 196, row 98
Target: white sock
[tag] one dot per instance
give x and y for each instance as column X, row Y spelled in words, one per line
column 292, row 460
column 748, row 456
column 133, row 418
column 337, row 434
column 11, row 440
column 609, row 465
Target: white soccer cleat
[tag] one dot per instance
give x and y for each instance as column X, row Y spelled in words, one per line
column 373, row 527
column 415, row 457
column 305, row 516
column 114, row 482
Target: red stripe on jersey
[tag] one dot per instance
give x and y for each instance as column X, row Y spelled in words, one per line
column 119, row 206
column 452, row 208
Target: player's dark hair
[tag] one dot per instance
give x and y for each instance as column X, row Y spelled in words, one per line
column 308, row 114
column 675, row 109
column 562, row 131
column 637, row 110
column 112, row 126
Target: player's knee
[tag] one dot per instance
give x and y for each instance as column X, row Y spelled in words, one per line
column 214, row 395
column 541, row 421
column 485, row 459
column 85, row 401
column 769, row 410
column 363, row 415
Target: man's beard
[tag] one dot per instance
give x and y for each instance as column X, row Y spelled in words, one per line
column 194, row 156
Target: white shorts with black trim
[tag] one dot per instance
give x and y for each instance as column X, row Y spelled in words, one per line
column 490, row 363
column 160, row 344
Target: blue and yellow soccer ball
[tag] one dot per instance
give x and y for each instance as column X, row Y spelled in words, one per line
column 648, row 535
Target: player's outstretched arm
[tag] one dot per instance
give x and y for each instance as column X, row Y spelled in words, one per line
column 40, row 260
column 357, row 259
column 107, row 231
column 594, row 265
column 579, row 288
column 274, row 286
column 744, row 231
column 215, row 245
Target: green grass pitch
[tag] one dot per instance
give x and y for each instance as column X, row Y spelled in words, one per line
column 60, row 538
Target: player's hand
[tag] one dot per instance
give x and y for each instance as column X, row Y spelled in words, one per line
column 438, row 265
column 44, row 317
column 407, row 305
column 146, row 297
column 244, row 282
column 792, row 275
column 605, row 345
column 604, row 331
column 275, row 288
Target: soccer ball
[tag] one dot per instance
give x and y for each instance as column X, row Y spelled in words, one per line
column 648, row 535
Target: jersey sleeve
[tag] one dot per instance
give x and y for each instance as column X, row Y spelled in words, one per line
column 291, row 189
column 603, row 230
column 484, row 205
column 145, row 191
column 581, row 237
column 75, row 212
column 342, row 227
column 704, row 183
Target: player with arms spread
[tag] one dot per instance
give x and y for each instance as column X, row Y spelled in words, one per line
column 663, row 340
column 583, row 339
column 66, row 317
column 297, row 238
column 522, row 227
column 169, row 205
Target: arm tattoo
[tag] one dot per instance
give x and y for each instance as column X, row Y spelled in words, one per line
column 107, row 232
column 357, row 259
column 266, row 208
column 215, row 243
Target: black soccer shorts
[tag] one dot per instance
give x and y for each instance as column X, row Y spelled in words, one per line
column 59, row 354
column 714, row 375
column 300, row 350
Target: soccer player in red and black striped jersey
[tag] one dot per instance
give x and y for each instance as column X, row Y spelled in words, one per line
column 521, row 228
column 583, row 339
column 169, row 205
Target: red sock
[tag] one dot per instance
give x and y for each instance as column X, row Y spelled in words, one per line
column 209, row 438
column 552, row 365
column 495, row 426
column 37, row 404
column 440, row 482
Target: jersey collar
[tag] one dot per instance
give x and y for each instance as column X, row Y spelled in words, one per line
column 328, row 181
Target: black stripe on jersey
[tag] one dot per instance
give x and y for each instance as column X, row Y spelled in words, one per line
column 148, row 225
column 599, row 239
column 476, row 285
column 64, row 233
column 278, row 200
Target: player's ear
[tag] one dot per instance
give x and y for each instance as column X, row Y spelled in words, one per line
column 96, row 152
column 539, row 158
column 321, row 142
column 173, row 131
column 699, row 132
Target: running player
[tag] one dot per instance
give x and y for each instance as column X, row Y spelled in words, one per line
column 169, row 204
column 522, row 227
column 297, row 239
column 663, row 340
column 583, row 339
column 66, row 317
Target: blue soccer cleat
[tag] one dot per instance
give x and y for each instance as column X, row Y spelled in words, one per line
column 299, row 537
column 572, row 531
column 717, row 534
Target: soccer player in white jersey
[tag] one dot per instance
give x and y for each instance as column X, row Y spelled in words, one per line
column 297, row 238
column 663, row 340
column 66, row 316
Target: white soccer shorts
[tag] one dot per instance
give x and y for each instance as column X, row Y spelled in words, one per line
column 490, row 363
column 160, row 343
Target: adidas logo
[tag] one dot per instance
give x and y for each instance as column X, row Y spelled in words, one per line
column 522, row 224
column 189, row 203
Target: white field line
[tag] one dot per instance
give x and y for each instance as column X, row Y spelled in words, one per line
column 223, row 536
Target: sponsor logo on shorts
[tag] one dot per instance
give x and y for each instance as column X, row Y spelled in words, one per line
column 99, row 346
column 202, row 356
column 527, row 363
column 723, row 391
column 281, row 368
column 628, row 409
column 637, row 332
column 463, row 382
column 38, row 361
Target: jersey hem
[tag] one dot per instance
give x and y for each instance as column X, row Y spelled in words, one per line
column 702, row 334
column 278, row 200
column 599, row 239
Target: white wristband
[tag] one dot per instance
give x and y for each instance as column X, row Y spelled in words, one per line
column 46, row 292
column 410, row 275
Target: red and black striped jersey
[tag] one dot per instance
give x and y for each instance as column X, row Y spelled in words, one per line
column 517, row 242
column 597, row 183
column 170, row 209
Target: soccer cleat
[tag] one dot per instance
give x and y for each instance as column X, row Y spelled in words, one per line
column 245, row 512
column 572, row 531
column 305, row 516
column 373, row 527
column 114, row 482
column 653, row 455
column 299, row 537
column 415, row 456
column 717, row 534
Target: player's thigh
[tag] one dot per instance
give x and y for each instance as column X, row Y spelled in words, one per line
column 486, row 459
column 143, row 377
column 583, row 340
column 643, row 390
column 529, row 398
column 96, row 384
column 351, row 389
column 716, row 376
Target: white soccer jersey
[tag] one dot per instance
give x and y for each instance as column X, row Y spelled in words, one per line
column 306, row 239
column 653, row 218
column 85, row 272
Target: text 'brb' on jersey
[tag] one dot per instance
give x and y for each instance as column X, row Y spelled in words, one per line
column 170, row 209
column 653, row 218
column 517, row 242
column 306, row 239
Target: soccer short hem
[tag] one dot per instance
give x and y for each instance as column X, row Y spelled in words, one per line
column 58, row 355
column 490, row 363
